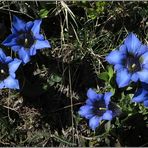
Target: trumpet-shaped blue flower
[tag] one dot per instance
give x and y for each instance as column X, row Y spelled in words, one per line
column 130, row 61
column 96, row 108
column 26, row 38
column 141, row 95
column 8, row 67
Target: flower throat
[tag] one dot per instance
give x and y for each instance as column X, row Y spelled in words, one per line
column 133, row 64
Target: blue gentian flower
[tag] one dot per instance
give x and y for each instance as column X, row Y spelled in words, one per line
column 141, row 95
column 96, row 108
column 130, row 61
column 8, row 67
column 26, row 38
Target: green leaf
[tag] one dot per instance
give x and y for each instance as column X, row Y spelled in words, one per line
column 110, row 72
column 92, row 13
column 104, row 76
column 43, row 13
column 56, row 78
column 112, row 90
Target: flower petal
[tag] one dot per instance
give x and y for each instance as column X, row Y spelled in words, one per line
column 123, row 49
column 24, row 56
column 11, row 40
column 29, row 25
column 119, row 67
column 17, row 25
column 94, row 122
column 144, row 58
column 86, row 111
column 2, row 85
column 11, row 83
column 145, row 66
column 42, row 44
column 16, row 48
column 135, row 77
column 13, row 66
column 89, row 102
column 107, row 97
column 123, row 78
column 92, row 95
column 143, row 49
column 39, row 37
column 132, row 43
column 32, row 51
column 115, row 57
column 145, row 103
column 144, row 85
column 8, row 59
column 140, row 95
column 2, row 56
column 143, row 75
column 36, row 27
column 107, row 115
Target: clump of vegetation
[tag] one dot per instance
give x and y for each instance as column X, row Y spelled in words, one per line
column 58, row 61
